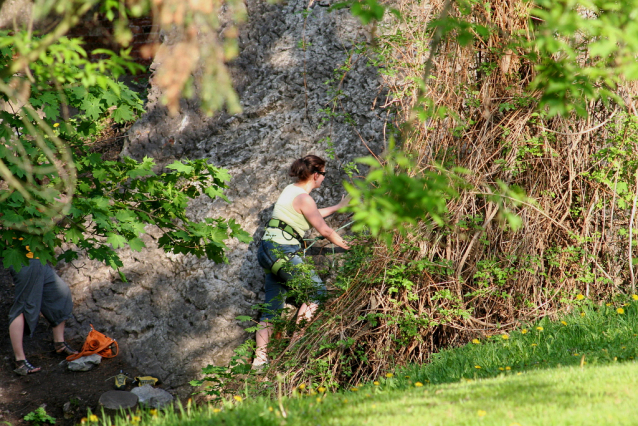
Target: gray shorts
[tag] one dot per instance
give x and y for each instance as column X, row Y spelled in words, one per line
column 39, row 289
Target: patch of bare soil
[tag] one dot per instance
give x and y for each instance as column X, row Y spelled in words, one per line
column 55, row 385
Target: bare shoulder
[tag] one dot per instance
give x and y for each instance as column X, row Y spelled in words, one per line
column 304, row 202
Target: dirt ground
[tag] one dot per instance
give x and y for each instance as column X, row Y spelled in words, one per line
column 55, row 385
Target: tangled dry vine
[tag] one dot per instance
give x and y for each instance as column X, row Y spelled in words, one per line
column 443, row 285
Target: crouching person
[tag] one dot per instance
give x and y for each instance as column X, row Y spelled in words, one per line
column 38, row 289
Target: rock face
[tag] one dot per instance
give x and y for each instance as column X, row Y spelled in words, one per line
column 177, row 314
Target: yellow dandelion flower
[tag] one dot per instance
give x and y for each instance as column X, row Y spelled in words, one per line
column 505, row 336
column 376, row 383
column 582, row 314
column 238, row 398
column 407, row 377
column 321, row 389
column 580, row 297
column 607, row 304
column 272, row 409
column 501, row 368
column 388, row 375
column 135, row 419
column 354, row 389
column 301, row 386
column 477, row 366
column 93, row 418
column 418, row 384
column 318, row 399
column 476, row 341
column 620, row 311
column 575, row 354
column 508, row 368
column 524, row 331
column 539, row 328
column 563, row 322
column 481, row 413
column 634, row 296
column 217, row 410
column 534, row 344
column 313, row 392
column 345, row 400
column 518, row 374
column 58, row 125
column 153, row 412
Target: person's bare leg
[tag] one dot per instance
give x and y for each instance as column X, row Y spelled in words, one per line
column 59, row 343
column 58, row 333
column 263, row 338
column 16, row 331
column 306, row 312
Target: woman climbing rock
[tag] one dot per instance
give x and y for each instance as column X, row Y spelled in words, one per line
column 294, row 213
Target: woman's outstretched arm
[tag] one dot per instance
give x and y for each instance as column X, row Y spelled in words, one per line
column 327, row 211
column 307, row 206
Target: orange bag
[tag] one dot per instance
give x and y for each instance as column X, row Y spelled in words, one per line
column 97, row 343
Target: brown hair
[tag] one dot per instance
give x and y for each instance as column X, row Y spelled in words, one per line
column 303, row 168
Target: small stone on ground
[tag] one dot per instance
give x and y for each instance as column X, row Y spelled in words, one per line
column 118, row 400
column 153, row 397
column 85, row 363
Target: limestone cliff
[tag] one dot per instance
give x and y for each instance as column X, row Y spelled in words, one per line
column 176, row 313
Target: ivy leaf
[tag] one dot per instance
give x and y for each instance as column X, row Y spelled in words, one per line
column 117, row 241
column 243, row 318
column 14, row 257
column 92, row 107
column 180, row 167
column 136, row 244
column 49, row 98
column 110, row 98
column 123, row 114
column 73, row 235
column 52, row 112
column 68, row 256
column 214, row 192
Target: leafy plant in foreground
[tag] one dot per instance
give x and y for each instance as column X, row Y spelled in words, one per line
column 58, row 191
column 39, row 416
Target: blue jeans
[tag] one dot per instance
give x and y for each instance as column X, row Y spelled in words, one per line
column 275, row 287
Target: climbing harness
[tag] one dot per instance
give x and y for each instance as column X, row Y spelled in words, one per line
column 146, row 380
column 278, row 263
column 280, row 224
column 120, row 380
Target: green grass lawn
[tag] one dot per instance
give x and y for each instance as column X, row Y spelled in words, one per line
column 576, row 371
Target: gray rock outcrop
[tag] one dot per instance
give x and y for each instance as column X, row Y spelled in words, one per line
column 177, row 314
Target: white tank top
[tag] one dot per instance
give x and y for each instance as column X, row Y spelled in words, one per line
column 286, row 212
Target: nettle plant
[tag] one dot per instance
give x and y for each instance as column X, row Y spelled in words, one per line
column 56, row 190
